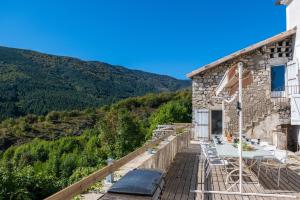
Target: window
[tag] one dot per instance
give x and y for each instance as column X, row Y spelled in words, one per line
column 278, row 78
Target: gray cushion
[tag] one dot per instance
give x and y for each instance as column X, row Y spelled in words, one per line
column 139, row 182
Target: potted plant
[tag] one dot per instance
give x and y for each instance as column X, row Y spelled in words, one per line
column 228, row 136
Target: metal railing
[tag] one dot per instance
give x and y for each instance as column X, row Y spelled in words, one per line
column 285, row 91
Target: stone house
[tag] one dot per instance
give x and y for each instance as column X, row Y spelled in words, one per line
column 271, row 90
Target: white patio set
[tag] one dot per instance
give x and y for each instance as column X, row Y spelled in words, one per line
column 221, row 153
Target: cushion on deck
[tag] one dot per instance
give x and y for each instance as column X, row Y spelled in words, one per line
column 138, row 182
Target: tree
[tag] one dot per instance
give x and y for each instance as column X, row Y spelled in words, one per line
column 107, row 132
column 129, row 134
column 171, row 112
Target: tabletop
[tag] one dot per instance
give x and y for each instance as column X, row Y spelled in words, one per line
column 228, row 150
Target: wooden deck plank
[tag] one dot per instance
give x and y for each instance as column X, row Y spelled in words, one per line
column 178, row 180
column 186, row 173
column 271, row 185
column 193, row 186
column 222, row 185
column 182, row 179
column 186, row 179
column 200, row 184
column 171, row 176
column 187, row 186
column 216, row 185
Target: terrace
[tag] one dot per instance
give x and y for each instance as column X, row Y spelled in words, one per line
column 180, row 158
column 186, row 174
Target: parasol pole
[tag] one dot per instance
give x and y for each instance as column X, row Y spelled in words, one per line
column 239, row 107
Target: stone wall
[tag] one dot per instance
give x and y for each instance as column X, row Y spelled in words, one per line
column 204, row 86
column 256, row 94
column 257, row 101
column 162, row 130
column 175, row 128
column 264, row 129
column 256, row 97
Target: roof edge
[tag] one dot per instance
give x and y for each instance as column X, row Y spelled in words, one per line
column 255, row 46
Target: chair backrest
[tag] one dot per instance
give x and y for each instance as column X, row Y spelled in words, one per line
column 204, row 149
column 207, row 150
column 281, row 155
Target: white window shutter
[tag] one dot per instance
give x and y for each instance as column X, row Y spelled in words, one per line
column 295, row 109
column 292, row 77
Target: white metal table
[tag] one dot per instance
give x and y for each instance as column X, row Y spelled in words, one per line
column 226, row 150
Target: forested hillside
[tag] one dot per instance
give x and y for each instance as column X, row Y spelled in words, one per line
column 70, row 145
column 36, row 83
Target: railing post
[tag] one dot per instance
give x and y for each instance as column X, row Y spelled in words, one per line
column 149, row 150
column 109, row 178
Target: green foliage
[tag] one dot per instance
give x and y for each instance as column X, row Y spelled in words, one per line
column 129, row 134
column 52, row 126
column 63, row 83
column 53, row 116
column 171, row 112
column 41, row 166
column 26, row 183
column 81, row 172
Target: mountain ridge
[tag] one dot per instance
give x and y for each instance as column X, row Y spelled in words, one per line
column 37, row 83
column 90, row 61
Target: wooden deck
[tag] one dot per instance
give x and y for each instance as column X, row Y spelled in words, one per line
column 186, row 174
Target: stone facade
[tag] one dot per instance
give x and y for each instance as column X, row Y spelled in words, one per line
column 258, row 103
column 204, row 88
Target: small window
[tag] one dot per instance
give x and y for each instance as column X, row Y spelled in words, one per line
column 278, row 78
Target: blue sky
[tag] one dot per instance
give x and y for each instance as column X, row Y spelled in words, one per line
column 162, row 36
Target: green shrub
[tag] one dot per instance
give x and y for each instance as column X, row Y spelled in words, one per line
column 171, row 112
column 53, row 116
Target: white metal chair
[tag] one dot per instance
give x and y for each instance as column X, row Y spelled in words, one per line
column 278, row 162
column 212, row 159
